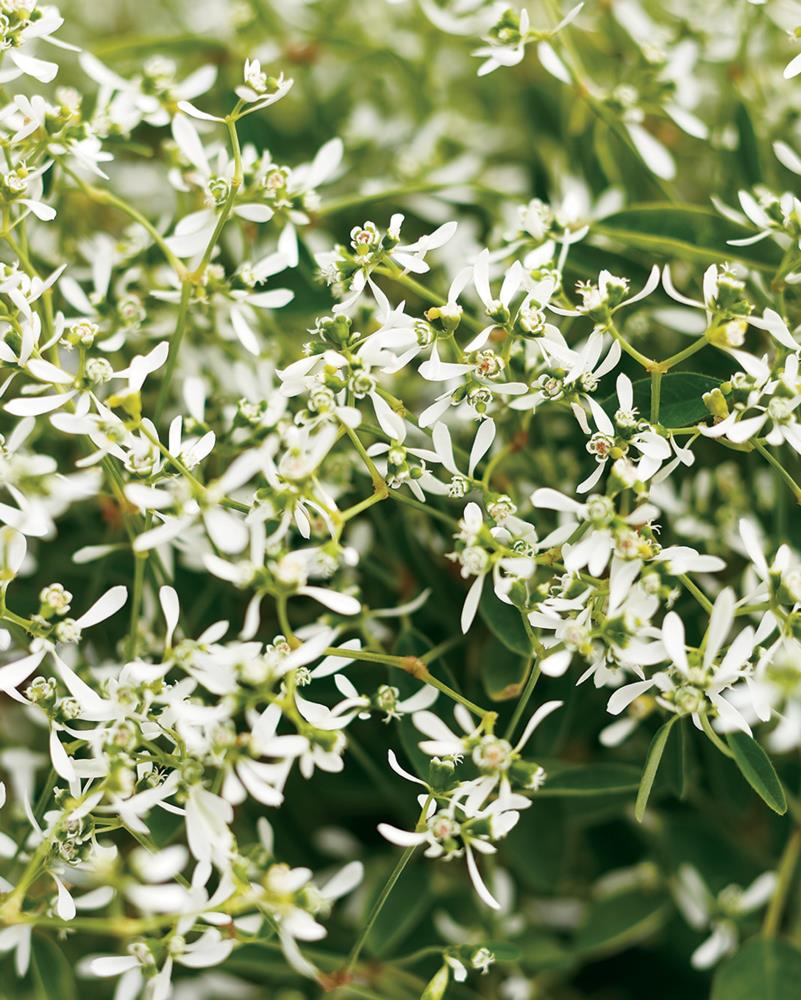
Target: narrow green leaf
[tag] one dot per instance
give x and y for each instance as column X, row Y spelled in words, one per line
column 53, row 975
column 686, row 231
column 747, row 157
column 655, row 752
column 763, row 969
column 758, row 771
column 589, row 779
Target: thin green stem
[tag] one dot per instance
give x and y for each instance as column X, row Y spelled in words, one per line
column 103, row 197
column 656, row 394
column 436, row 651
column 385, row 893
column 786, row 871
column 680, row 356
column 794, row 487
column 531, row 682
column 363, row 505
column 378, row 480
column 140, row 560
column 283, row 620
column 175, row 347
column 417, row 667
column 713, row 737
column 426, row 508
column 696, row 591
column 400, row 278
column 236, row 183
column 647, row 363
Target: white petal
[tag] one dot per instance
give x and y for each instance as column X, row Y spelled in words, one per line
column 471, row 602
column 542, row 713
column 343, row 604
column 654, row 154
column 104, row 607
column 485, row 435
column 624, row 696
column 401, row 838
column 483, row 892
column 673, row 639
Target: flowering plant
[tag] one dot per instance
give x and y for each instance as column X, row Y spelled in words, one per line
column 376, row 416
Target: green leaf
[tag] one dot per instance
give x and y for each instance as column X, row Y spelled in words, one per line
column 53, row 974
column 589, row 779
column 747, row 156
column 764, row 968
column 435, row 990
column 655, row 752
column 616, row 922
column 758, row 771
column 502, row 671
column 675, row 764
column 504, row 621
column 680, row 400
column 688, row 232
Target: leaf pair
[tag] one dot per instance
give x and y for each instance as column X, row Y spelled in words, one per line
column 748, row 755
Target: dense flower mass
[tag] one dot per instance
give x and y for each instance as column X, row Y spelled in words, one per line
column 400, row 470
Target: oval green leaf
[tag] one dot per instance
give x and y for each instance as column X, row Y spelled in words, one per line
column 681, row 402
column 504, row 621
column 758, row 771
column 764, row 968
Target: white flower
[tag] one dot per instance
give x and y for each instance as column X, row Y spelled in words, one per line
column 695, row 684
column 720, row 913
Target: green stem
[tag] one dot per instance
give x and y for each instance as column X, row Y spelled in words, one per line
column 713, row 736
column 175, row 346
column 363, row 505
column 415, row 666
column 236, row 183
column 436, row 651
column 354, row 201
column 787, row 867
column 400, row 278
column 647, row 363
column 283, row 620
column 140, row 560
column 385, row 893
column 795, row 488
column 378, row 480
column 196, row 484
column 425, row 507
column 680, row 356
column 108, row 198
column 656, row 393
column 696, row 591
column 531, row 682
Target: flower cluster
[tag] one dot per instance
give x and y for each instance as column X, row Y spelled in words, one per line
column 358, row 423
